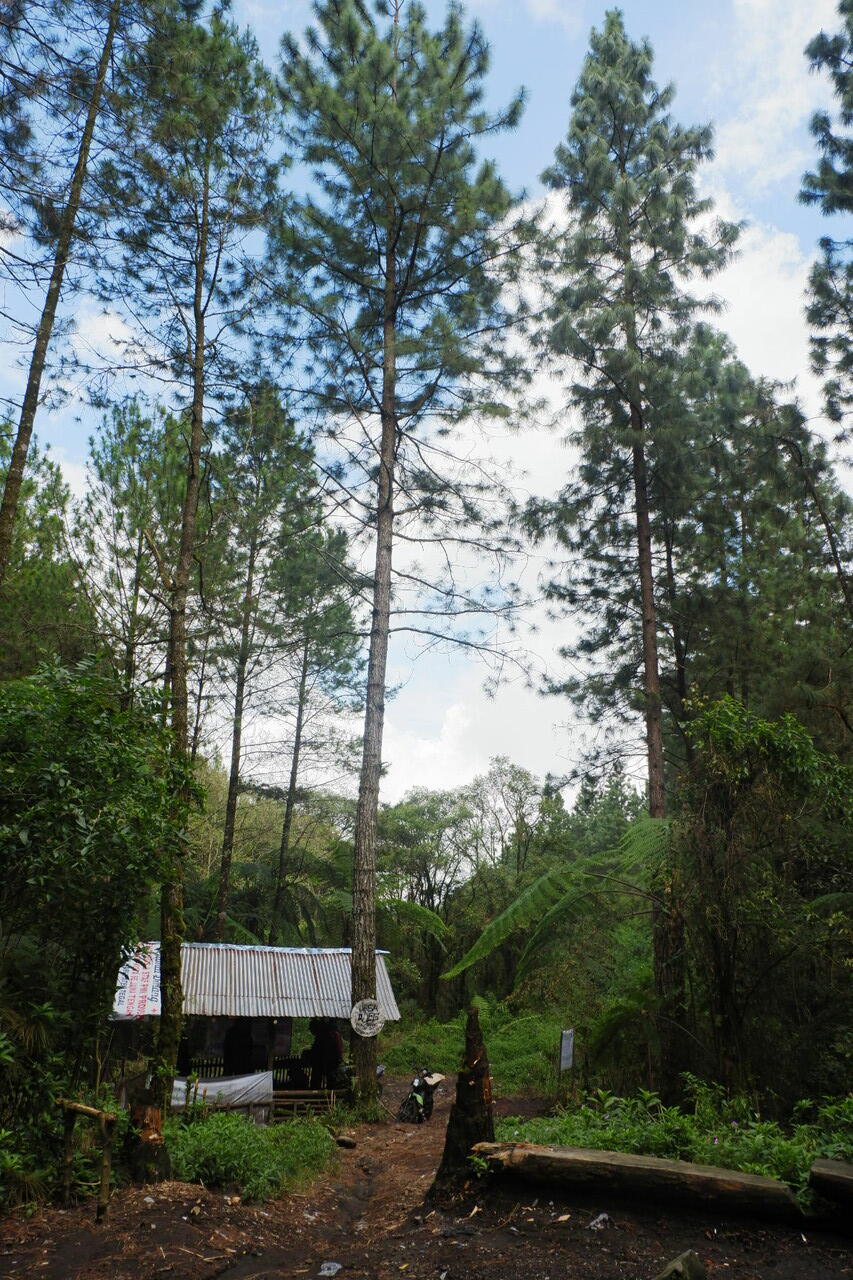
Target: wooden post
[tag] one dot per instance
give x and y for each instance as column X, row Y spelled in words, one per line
column 106, row 1121
column 69, row 1120
column 107, row 1124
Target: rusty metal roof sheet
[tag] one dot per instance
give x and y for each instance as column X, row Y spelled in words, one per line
column 223, row 979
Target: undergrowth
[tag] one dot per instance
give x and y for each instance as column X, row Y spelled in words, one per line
column 716, row 1131
column 522, row 1049
column 258, row 1161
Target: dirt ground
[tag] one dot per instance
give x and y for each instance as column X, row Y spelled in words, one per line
column 371, row 1216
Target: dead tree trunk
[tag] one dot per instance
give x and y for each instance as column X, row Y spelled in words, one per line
column 471, row 1116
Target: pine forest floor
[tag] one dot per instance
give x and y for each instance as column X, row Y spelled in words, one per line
column 371, row 1216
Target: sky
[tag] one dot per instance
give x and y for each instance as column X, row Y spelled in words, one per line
column 736, row 63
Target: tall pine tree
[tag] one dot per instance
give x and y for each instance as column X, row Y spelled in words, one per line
column 193, row 181
column 615, row 279
column 406, row 254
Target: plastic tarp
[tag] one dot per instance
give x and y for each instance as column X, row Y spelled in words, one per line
column 233, row 1091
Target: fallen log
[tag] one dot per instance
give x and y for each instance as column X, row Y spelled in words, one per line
column 832, row 1179
column 615, row 1173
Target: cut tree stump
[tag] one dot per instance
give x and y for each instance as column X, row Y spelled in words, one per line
column 148, row 1158
column 614, row 1172
column 471, row 1118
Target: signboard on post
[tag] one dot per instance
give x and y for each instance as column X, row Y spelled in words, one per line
column 567, row 1050
column 367, row 1018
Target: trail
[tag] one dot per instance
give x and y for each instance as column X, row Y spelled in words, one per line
column 370, row 1216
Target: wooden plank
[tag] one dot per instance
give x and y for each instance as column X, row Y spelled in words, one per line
column 618, row 1173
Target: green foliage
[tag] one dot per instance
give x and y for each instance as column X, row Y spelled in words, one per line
column 81, row 826
column 557, row 896
column 82, row 781
column 45, row 614
column 258, row 1161
column 387, row 116
column 760, row 853
column 522, row 1048
column 528, row 906
column 831, row 278
column 720, row 1131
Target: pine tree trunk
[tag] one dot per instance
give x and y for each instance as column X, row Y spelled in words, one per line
column 679, row 648
column 832, row 541
column 667, row 926
column 44, row 332
column 132, row 622
column 171, row 902
column 236, row 752
column 364, row 853
column 667, row 923
column 651, row 675
column 290, row 801
column 195, row 740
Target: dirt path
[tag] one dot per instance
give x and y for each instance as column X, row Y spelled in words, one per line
column 370, row 1216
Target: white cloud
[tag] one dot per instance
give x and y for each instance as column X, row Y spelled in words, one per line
column 99, row 335
column 442, row 734
column 568, row 14
column 74, row 473
column 767, row 96
column 763, row 291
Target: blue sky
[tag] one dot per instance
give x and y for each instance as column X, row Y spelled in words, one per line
column 736, row 63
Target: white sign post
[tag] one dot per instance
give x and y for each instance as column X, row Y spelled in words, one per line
column 567, row 1050
column 367, row 1018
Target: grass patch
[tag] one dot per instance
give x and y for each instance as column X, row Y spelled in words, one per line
column 522, row 1049
column 716, row 1131
column 258, row 1161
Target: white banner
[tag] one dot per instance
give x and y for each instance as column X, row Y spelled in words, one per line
column 138, row 986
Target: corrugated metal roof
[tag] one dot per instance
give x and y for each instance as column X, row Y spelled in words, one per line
column 223, row 979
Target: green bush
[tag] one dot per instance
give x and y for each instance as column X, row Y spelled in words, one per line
column 258, row 1161
column 718, row 1131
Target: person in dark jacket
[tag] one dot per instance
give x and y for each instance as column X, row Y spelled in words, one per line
column 326, row 1053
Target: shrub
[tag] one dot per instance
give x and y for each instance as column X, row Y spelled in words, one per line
column 259, row 1161
column 719, row 1131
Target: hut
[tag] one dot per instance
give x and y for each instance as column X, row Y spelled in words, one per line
column 240, row 1001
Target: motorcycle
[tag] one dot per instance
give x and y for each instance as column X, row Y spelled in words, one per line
column 418, row 1102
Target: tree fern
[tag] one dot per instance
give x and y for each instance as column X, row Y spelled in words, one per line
column 413, row 913
column 527, row 907
column 645, row 844
column 562, row 910
column 555, row 895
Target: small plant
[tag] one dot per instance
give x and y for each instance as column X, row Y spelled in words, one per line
column 258, row 1161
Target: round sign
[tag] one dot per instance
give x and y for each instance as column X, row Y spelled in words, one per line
column 367, row 1018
